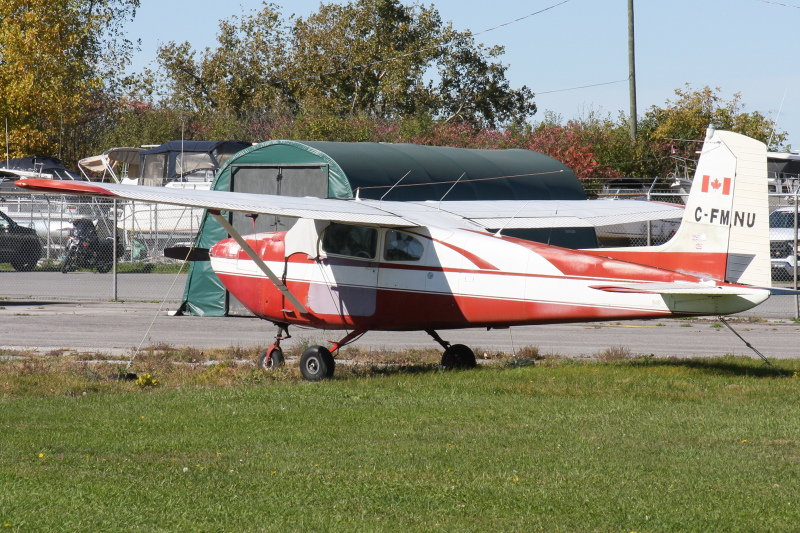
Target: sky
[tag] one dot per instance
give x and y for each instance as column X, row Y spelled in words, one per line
column 742, row 46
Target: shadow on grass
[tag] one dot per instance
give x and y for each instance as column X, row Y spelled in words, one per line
column 408, row 368
column 730, row 366
column 389, row 369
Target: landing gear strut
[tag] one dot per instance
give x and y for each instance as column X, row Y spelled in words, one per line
column 272, row 357
column 455, row 355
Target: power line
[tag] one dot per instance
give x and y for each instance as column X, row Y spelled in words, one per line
column 581, row 87
column 401, row 56
column 408, row 54
column 778, row 4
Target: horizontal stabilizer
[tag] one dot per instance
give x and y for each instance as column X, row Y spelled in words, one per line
column 777, row 291
column 680, row 288
column 185, row 253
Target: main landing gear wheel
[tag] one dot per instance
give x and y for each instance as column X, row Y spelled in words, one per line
column 271, row 358
column 458, row 356
column 317, row 363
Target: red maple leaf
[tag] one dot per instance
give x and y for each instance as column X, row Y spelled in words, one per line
column 716, row 184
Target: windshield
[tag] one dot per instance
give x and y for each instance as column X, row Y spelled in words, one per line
column 154, row 165
column 781, row 219
column 67, row 175
column 189, row 161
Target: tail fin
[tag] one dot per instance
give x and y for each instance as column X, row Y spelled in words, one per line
column 724, row 234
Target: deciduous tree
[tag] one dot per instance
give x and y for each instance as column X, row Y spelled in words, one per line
column 364, row 57
column 59, row 61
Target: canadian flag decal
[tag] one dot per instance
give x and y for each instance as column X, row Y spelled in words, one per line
column 716, row 185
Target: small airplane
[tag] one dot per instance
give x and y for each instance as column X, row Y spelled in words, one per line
column 364, row 265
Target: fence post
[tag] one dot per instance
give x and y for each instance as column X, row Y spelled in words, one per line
column 649, row 227
column 49, row 243
column 114, row 253
column 794, row 249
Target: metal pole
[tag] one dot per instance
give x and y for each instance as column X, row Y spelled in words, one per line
column 794, row 253
column 632, row 70
column 49, row 226
column 155, row 220
column 114, row 266
column 649, row 225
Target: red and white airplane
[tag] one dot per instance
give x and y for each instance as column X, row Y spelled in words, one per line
column 365, row 265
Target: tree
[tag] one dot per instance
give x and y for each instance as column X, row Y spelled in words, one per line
column 59, row 61
column 475, row 89
column 680, row 126
column 237, row 77
column 360, row 58
column 368, row 56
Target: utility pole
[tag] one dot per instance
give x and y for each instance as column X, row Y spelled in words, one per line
column 631, row 70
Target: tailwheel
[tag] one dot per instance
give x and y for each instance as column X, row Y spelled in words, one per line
column 458, row 356
column 271, row 358
column 317, row 363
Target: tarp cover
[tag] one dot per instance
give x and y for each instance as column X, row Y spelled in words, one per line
column 374, row 168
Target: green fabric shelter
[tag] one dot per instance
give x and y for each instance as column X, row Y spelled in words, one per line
column 338, row 169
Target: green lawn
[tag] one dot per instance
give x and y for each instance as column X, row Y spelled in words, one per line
column 627, row 445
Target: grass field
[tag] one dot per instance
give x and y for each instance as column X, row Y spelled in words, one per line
column 624, row 444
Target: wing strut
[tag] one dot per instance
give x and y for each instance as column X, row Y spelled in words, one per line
column 258, row 261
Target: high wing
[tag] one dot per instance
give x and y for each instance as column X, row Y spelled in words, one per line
column 521, row 214
column 478, row 214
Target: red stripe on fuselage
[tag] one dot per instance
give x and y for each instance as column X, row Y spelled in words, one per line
column 477, row 261
column 398, row 310
column 692, row 265
column 639, row 266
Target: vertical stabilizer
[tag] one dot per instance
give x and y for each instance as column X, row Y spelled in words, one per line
column 724, row 234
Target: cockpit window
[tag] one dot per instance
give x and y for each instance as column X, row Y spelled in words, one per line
column 352, row 241
column 401, row 246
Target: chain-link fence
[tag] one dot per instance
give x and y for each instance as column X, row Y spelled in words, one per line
column 62, row 247
column 783, row 247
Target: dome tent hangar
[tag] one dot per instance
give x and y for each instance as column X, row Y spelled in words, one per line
column 329, row 169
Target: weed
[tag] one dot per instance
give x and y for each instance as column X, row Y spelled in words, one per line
column 529, row 352
column 146, row 380
column 615, row 353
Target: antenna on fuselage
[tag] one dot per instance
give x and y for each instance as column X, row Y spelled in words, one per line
column 448, row 191
column 512, row 218
column 395, row 185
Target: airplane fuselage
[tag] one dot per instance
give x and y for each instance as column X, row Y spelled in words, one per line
column 454, row 279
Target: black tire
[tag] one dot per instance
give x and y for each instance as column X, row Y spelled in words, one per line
column 271, row 358
column 105, row 255
column 458, row 356
column 25, row 265
column 66, row 264
column 329, row 361
column 317, row 363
